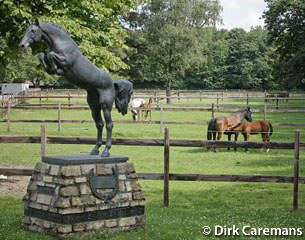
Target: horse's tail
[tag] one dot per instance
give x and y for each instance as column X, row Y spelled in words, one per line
column 270, row 129
column 123, row 92
column 211, row 128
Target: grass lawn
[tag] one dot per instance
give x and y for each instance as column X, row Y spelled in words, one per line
column 193, row 205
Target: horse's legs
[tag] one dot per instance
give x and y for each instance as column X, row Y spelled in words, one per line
column 58, row 63
column 93, row 102
column 106, row 102
column 229, row 139
column 219, row 135
column 266, row 138
column 109, row 126
column 45, row 63
column 214, row 138
column 246, row 137
column 236, row 137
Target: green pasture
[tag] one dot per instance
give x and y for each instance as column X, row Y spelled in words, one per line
column 193, row 205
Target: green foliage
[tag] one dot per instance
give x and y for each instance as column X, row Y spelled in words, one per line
column 173, row 39
column 176, row 44
column 285, row 24
column 94, row 25
column 26, row 67
column 249, row 63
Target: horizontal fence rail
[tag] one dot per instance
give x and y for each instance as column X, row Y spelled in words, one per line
column 219, row 178
column 152, row 142
column 137, row 122
column 167, row 143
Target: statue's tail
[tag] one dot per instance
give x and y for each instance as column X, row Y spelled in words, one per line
column 123, row 92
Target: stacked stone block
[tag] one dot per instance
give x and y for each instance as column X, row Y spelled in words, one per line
column 60, row 201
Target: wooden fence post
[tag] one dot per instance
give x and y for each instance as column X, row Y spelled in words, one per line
column 69, row 98
column 296, row 169
column 166, row 168
column 59, row 117
column 2, row 105
column 161, row 118
column 213, row 113
column 8, row 116
column 247, row 100
column 265, row 112
column 217, row 105
column 43, row 132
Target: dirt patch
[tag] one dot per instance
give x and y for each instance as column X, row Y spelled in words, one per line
column 14, row 185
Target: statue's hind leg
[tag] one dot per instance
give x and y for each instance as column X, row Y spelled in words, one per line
column 109, row 126
column 106, row 102
column 93, row 102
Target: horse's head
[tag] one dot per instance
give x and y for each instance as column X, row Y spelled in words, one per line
column 248, row 116
column 134, row 115
column 32, row 34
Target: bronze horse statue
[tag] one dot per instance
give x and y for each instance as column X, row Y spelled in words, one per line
column 222, row 124
column 65, row 58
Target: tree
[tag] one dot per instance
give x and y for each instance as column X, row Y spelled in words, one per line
column 26, row 67
column 285, row 24
column 94, row 25
column 249, row 61
column 212, row 74
column 173, row 38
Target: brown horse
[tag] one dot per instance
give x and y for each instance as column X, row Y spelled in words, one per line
column 248, row 128
column 146, row 109
column 221, row 124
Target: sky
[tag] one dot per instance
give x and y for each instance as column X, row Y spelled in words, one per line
column 242, row 13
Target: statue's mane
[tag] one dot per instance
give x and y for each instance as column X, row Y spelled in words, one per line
column 57, row 26
column 46, row 25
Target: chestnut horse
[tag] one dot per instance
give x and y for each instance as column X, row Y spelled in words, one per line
column 146, row 109
column 248, row 128
column 221, row 124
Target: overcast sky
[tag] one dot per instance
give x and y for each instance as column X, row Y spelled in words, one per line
column 242, row 13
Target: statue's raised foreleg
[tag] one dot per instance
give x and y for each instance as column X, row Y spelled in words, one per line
column 45, row 63
column 58, row 63
column 93, row 102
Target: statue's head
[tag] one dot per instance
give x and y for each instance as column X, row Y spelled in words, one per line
column 32, row 34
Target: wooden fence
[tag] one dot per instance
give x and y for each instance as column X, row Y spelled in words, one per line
column 166, row 176
column 161, row 122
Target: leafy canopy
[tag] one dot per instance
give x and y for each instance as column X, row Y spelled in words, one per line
column 285, row 24
column 93, row 24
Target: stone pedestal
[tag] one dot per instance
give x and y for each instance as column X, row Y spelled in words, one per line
column 79, row 194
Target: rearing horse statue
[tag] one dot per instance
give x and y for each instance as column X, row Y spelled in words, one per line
column 65, row 58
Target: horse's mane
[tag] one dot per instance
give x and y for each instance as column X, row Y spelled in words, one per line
column 240, row 111
column 56, row 26
column 60, row 28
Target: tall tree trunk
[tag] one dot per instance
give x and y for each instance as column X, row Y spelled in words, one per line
column 168, row 92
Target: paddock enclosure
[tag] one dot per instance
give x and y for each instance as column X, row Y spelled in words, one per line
column 196, row 176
